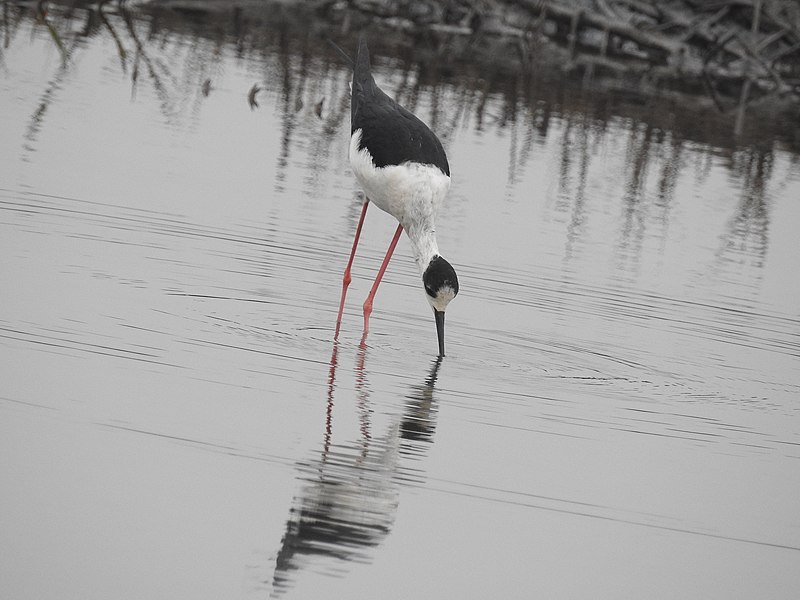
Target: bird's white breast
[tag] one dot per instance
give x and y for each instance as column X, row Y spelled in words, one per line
column 410, row 192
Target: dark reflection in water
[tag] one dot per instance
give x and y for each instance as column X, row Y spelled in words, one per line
column 350, row 495
column 748, row 230
column 419, row 420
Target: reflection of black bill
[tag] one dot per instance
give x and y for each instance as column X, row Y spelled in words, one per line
column 439, row 314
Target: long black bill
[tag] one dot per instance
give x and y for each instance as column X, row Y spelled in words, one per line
column 439, row 314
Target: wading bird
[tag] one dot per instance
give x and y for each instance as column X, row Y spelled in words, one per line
column 403, row 170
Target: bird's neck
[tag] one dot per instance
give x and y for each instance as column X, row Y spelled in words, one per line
column 423, row 244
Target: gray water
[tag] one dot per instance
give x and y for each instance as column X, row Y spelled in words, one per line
column 618, row 414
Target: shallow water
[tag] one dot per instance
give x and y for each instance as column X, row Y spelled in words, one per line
column 617, row 415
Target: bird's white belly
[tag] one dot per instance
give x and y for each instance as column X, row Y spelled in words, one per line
column 410, row 192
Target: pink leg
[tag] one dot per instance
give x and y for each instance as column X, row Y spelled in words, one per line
column 384, row 264
column 347, row 279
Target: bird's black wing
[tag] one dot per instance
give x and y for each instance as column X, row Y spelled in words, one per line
column 390, row 133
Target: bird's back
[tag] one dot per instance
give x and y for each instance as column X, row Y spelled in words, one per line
column 390, row 133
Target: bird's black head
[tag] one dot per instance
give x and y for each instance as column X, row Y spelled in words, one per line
column 441, row 286
column 441, row 283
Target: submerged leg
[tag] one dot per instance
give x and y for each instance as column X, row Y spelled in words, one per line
column 368, row 302
column 347, row 279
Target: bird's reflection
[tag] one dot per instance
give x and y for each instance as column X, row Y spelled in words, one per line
column 349, row 497
column 419, row 418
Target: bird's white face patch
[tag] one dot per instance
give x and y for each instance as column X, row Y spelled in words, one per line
column 443, row 297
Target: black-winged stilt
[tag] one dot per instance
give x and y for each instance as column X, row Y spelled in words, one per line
column 403, row 170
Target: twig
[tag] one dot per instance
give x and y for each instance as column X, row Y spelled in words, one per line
column 754, row 26
column 739, row 123
column 642, row 7
column 771, row 39
column 573, row 32
column 785, row 52
column 772, row 73
column 700, row 26
column 712, row 91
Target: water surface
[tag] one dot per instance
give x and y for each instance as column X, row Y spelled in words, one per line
column 617, row 415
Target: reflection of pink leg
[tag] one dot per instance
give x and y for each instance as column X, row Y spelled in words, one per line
column 329, row 410
column 362, row 399
column 346, row 279
column 384, row 264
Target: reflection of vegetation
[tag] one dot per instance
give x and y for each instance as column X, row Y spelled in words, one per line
column 176, row 52
column 123, row 55
column 56, row 37
column 748, row 230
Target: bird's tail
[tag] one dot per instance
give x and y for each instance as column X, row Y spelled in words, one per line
column 362, row 73
column 363, row 84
